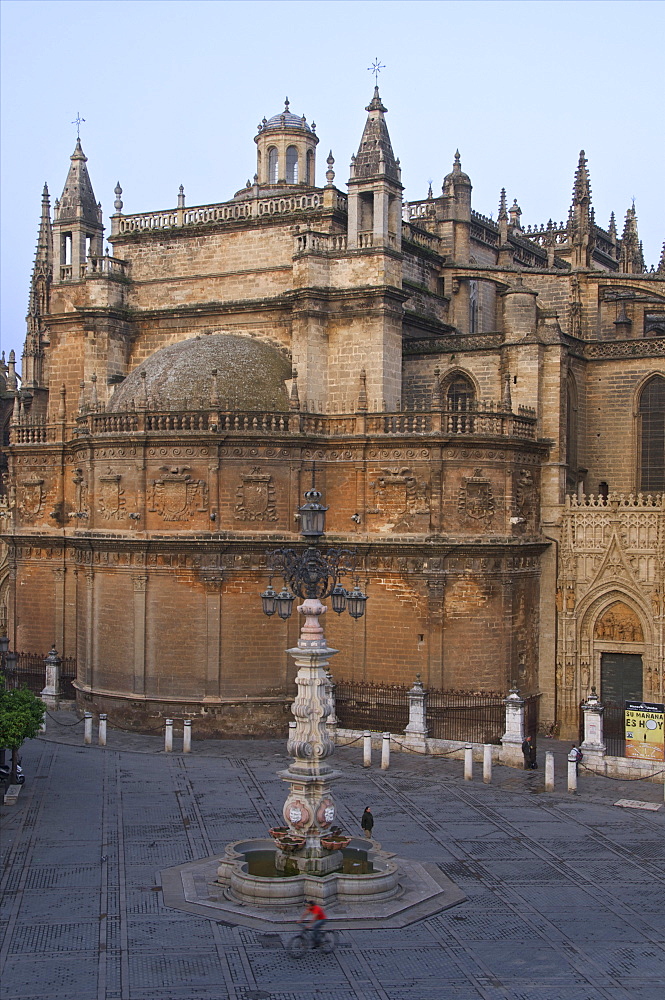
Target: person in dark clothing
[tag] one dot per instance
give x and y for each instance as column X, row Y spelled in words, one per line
column 529, row 754
column 367, row 822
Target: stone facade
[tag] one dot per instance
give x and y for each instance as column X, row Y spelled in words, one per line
column 483, row 405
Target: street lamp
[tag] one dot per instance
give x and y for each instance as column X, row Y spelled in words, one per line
column 311, row 574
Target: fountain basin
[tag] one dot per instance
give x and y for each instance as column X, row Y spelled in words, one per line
column 369, row 876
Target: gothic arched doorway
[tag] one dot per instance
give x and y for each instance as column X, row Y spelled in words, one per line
column 619, row 640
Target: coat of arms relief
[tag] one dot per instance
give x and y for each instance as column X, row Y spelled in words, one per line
column 256, row 497
column 475, row 498
column 31, row 496
column 176, row 496
column 111, row 501
column 400, row 497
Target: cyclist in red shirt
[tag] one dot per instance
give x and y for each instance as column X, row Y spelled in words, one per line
column 317, row 919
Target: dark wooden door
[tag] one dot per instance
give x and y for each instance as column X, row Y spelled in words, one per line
column 620, row 677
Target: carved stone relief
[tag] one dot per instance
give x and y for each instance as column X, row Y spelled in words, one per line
column 31, row 496
column 176, row 495
column 111, row 497
column 81, row 491
column 399, row 497
column 475, row 498
column 256, row 497
column 618, row 623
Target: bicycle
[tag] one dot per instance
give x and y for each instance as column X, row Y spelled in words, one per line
column 303, row 941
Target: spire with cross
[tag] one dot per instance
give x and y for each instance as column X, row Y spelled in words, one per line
column 78, row 121
column 376, row 68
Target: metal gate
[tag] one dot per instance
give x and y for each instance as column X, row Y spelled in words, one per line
column 28, row 670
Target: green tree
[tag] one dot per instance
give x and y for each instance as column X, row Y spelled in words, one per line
column 21, row 716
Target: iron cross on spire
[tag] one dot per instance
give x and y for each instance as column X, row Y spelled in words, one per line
column 376, row 68
column 78, row 121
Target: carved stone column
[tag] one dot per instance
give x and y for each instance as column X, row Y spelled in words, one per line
column 51, row 692
column 512, row 739
column 416, row 732
column 309, row 809
column 593, row 745
column 212, row 579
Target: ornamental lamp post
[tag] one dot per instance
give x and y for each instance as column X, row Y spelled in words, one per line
column 311, row 574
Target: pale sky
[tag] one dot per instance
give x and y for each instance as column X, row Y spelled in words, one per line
column 171, row 93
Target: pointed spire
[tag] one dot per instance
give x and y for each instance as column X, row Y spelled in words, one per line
column 503, row 208
column 78, row 200
column 661, row 264
column 214, row 391
column 330, row 173
column 294, row 398
column 375, row 152
column 11, row 382
column 612, row 228
column 582, row 184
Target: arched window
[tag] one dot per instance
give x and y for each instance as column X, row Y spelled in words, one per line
column 291, row 165
column 310, row 167
column 651, row 427
column 459, row 401
column 272, row 165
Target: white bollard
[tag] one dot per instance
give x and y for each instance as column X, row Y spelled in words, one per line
column 101, row 736
column 87, row 728
column 487, row 763
column 572, row 774
column 367, row 749
column 42, row 728
column 385, row 752
column 468, row 762
column 549, row 771
column 168, row 735
column 187, row 736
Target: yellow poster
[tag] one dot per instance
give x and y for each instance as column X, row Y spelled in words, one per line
column 645, row 732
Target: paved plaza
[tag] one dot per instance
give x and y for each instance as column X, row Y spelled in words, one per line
column 564, row 893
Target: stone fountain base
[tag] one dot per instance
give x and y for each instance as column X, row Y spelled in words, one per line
column 395, row 893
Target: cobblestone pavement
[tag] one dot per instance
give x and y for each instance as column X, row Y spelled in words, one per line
column 565, row 893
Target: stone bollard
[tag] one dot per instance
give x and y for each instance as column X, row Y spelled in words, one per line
column 487, row 763
column 87, row 728
column 549, row 771
column 468, row 762
column 101, row 736
column 415, row 734
column 187, row 736
column 168, row 735
column 367, row 749
column 42, row 728
column 572, row 773
column 385, row 752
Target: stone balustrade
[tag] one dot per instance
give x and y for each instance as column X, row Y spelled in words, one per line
column 224, row 212
column 421, row 237
column 636, row 501
column 311, row 242
column 487, row 421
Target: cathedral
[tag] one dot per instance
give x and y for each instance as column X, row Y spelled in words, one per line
column 481, row 404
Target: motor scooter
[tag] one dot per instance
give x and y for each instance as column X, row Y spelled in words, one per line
column 6, row 770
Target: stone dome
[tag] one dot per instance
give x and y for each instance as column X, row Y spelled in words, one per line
column 250, row 376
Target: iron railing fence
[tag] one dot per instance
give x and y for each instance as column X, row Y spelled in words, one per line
column 363, row 705
column 466, row 716
column 28, row 670
column 472, row 716
column 614, row 732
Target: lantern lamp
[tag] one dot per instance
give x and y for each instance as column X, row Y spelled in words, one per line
column 284, row 602
column 312, row 515
column 338, row 597
column 355, row 600
column 269, row 599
